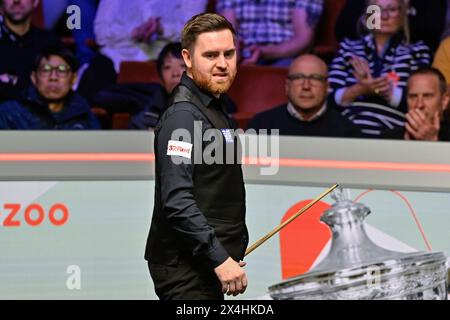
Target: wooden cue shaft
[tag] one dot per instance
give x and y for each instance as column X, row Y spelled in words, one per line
column 284, row 224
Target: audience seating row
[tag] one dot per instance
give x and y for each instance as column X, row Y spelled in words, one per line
column 255, row 89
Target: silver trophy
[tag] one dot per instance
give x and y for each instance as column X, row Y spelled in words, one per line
column 356, row 268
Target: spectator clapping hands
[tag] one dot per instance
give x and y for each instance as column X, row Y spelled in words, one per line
column 374, row 86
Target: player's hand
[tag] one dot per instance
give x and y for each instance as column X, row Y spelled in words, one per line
column 232, row 277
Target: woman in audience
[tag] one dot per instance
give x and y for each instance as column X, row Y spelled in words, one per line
column 429, row 21
column 368, row 76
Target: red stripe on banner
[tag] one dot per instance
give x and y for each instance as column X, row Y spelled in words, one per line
column 282, row 162
column 411, row 210
column 354, row 165
column 82, row 157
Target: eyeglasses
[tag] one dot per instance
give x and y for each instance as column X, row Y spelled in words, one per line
column 61, row 70
column 314, row 79
column 392, row 11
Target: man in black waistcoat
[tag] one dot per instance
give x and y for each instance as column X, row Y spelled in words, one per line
column 198, row 235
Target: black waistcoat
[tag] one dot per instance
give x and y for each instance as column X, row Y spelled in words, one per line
column 218, row 191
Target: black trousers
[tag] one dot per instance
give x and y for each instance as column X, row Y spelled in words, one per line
column 185, row 281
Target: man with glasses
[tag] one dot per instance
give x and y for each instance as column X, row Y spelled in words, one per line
column 50, row 102
column 306, row 113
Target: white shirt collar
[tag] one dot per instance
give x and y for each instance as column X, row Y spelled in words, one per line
column 293, row 112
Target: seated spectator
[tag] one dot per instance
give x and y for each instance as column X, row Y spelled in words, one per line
column 306, row 113
column 427, row 100
column 138, row 30
column 145, row 101
column 428, row 22
column 50, row 102
column 368, row 76
column 272, row 32
column 20, row 42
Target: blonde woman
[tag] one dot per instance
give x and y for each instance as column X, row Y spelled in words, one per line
column 368, row 76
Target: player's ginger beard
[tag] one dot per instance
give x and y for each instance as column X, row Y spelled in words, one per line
column 206, row 83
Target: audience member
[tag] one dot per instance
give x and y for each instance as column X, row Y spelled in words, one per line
column 272, row 32
column 20, row 42
column 306, row 113
column 427, row 100
column 50, row 102
column 145, row 101
column 368, row 76
column 138, row 30
column 427, row 22
column 170, row 65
